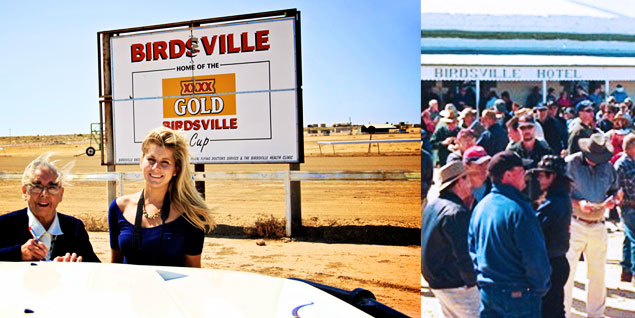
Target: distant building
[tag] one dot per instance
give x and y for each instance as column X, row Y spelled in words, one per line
column 469, row 51
column 377, row 128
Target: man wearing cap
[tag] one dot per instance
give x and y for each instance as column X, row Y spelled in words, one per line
column 445, row 262
column 538, row 133
column 529, row 147
column 625, row 167
column 595, row 183
column 445, row 134
column 475, row 160
column 583, row 127
column 494, row 138
column 464, row 139
column 507, row 246
column 531, row 150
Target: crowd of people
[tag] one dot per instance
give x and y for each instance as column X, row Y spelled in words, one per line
column 163, row 224
column 526, row 191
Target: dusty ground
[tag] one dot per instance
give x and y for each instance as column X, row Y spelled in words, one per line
column 620, row 300
column 344, row 212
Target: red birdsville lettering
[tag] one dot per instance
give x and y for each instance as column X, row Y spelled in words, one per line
column 205, row 124
column 219, row 44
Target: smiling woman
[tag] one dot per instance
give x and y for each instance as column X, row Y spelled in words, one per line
column 168, row 213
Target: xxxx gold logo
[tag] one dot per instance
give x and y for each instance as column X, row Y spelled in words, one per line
column 198, row 87
column 186, row 103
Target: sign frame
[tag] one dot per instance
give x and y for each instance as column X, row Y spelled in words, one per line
column 105, row 78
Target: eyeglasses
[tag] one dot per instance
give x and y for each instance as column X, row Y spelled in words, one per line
column 38, row 188
column 587, row 110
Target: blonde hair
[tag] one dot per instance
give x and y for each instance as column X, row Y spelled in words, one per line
column 183, row 194
column 43, row 161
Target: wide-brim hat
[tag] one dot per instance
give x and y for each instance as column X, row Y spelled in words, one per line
column 596, row 148
column 553, row 164
column 449, row 108
column 492, row 114
column 449, row 116
column 523, row 111
column 450, row 173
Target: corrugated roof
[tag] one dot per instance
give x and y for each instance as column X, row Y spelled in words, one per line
column 524, row 60
column 548, row 27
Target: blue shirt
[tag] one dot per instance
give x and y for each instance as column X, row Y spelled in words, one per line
column 506, row 243
column 591, row 183
column 179, row 238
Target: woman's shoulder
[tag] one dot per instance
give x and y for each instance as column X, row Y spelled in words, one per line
column 123, row 202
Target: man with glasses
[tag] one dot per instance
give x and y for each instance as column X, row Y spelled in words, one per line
column 529, row 147
column 39, row 232
column 531, row 150
column 584, row 127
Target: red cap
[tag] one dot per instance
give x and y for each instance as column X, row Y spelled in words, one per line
column 475, row 154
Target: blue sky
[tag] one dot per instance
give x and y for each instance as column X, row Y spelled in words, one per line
column 360, row 58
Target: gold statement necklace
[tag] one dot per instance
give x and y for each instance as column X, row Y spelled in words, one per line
column 154, row 216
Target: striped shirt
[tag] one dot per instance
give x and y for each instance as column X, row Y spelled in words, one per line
column 625, row 167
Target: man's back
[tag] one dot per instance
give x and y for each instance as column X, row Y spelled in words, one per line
column 506, row 243
column 494, row 139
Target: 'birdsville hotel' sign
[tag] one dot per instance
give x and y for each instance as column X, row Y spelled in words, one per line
column 231, row 88
column 538, row 73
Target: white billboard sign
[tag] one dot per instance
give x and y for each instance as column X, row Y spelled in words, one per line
column 231, row 89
